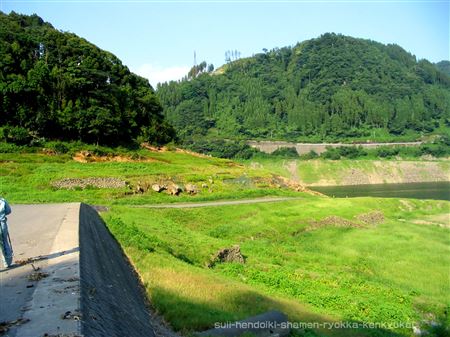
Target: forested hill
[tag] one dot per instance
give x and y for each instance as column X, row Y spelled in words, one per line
column 332, row 87
column 444, row 66
column 59, row 86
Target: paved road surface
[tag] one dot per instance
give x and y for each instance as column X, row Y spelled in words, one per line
column 34, row 231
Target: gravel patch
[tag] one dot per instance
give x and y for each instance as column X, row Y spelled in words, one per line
column 72, row 183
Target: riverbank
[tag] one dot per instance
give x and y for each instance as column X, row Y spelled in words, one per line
column 434, row 191
column 304, row 148
column 357, row 172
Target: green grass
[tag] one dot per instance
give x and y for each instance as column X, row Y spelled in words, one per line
column 28, row 177
column 394, row 272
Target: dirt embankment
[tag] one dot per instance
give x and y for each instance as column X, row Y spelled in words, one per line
column 303, row 148
column 332, row 173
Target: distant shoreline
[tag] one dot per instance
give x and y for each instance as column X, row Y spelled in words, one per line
column 347, row 172
column 303, row 148
column 376, row 172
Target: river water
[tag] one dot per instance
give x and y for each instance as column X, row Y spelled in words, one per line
column 437, row 190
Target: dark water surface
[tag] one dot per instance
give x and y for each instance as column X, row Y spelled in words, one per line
column 437, row 191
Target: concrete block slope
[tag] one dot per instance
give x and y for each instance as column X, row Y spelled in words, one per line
column 112, row 300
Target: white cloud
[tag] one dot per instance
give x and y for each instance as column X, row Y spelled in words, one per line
column 157, row 74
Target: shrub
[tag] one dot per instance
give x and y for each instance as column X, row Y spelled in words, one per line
column 331, row 153
column 435, row 150
column 58, row 147
column 222, row 149
column 286, row 152
column 386, row 151
column 16, row 135
column 351, row 152
column 9, row 148
column 310, row 155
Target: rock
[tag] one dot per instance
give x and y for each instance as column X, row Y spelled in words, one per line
column 86, row 154
column 37, row 276
column 158, row 188
column 174, row 189
column 139, row 188
column 76, row 315
column 190, row 188
column 49, row 152
column 232, row 254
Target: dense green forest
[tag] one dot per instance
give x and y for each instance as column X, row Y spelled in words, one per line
column 331, row 88
column 444, row 67
column 55, row 85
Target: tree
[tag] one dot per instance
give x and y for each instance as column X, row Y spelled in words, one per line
column 59, row 86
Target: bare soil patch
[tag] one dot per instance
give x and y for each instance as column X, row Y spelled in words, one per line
column 89, row 157
column 178, row 150
column 363, row 220
column 371, row 218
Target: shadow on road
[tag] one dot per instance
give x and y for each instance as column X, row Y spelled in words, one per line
column 35, row 259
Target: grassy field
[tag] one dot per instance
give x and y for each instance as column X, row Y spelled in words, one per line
column 28, row 177
column 318, row 259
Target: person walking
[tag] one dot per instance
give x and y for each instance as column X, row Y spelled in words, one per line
column 5, row 242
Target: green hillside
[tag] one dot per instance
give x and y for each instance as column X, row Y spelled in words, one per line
column 332, row 87
column 59, row 86
column 444, row 67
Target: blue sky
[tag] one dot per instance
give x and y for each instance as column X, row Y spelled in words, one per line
column 157, row 39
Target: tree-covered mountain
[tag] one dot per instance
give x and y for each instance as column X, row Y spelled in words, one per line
column 59, row 86
column 444, row 67
column 332, row 87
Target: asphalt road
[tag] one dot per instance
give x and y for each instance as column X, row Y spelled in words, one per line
column 33, row 229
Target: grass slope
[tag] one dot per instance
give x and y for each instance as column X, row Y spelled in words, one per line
column 391, row 273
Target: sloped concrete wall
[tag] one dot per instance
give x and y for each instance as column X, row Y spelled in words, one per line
column 304, row 148
column 112, row 300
